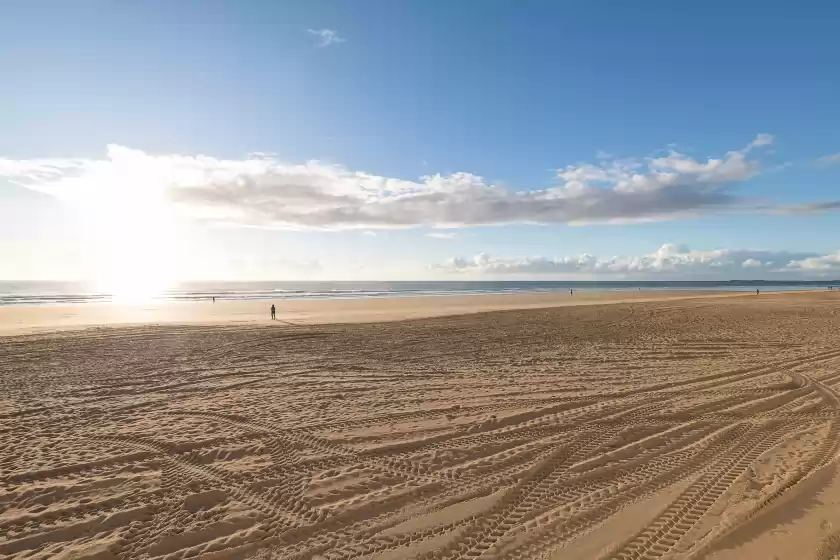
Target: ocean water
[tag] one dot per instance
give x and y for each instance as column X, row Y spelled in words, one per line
column 45, row 293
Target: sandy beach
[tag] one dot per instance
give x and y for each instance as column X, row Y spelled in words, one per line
column 604, row 426
column 26, row 319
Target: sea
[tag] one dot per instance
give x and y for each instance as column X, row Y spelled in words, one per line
column 46, row 293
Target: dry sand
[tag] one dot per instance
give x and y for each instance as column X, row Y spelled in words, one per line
column 704, row 427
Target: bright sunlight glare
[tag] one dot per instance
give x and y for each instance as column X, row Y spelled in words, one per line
column 130, row 231
column 134, row 265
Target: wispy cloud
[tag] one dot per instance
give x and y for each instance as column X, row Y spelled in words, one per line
column 670, row 260
column 829, row 160
column 762, row 139
column 441, row 235
column 263, row 191
column 810, row 208
column 326, row 37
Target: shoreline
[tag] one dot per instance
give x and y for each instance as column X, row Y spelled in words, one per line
column 35, row 319
column 66, row 294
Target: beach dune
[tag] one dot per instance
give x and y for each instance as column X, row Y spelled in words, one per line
column 617, row 425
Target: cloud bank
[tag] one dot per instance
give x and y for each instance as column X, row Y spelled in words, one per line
column 262, row 191
column 669, row 260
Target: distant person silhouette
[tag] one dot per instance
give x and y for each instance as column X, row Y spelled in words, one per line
column 571, row 292
column 273, row 311
column 756, row 292
column 214, row 299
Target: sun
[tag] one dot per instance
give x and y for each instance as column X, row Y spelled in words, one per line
column 136, row 286
column 133, row 235
column 136, row 260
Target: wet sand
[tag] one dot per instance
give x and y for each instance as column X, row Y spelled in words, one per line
column 43, row 318
column 698, row 427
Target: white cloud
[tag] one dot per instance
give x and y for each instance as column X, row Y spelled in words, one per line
column 829, row 160
column 761, row 140
column 45, row 170
column 668, row 261
column 262, row 191
column 824, row 263
column 369, row 233
column 441, row 235
column 326, row 37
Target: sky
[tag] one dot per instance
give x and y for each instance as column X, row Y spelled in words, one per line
column 148, row 142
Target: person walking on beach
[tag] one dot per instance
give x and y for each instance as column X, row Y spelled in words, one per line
column 214, row 299
column 273, row 316
column 756, row 292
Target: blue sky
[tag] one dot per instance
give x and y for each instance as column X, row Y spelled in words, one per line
column 518, row 97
